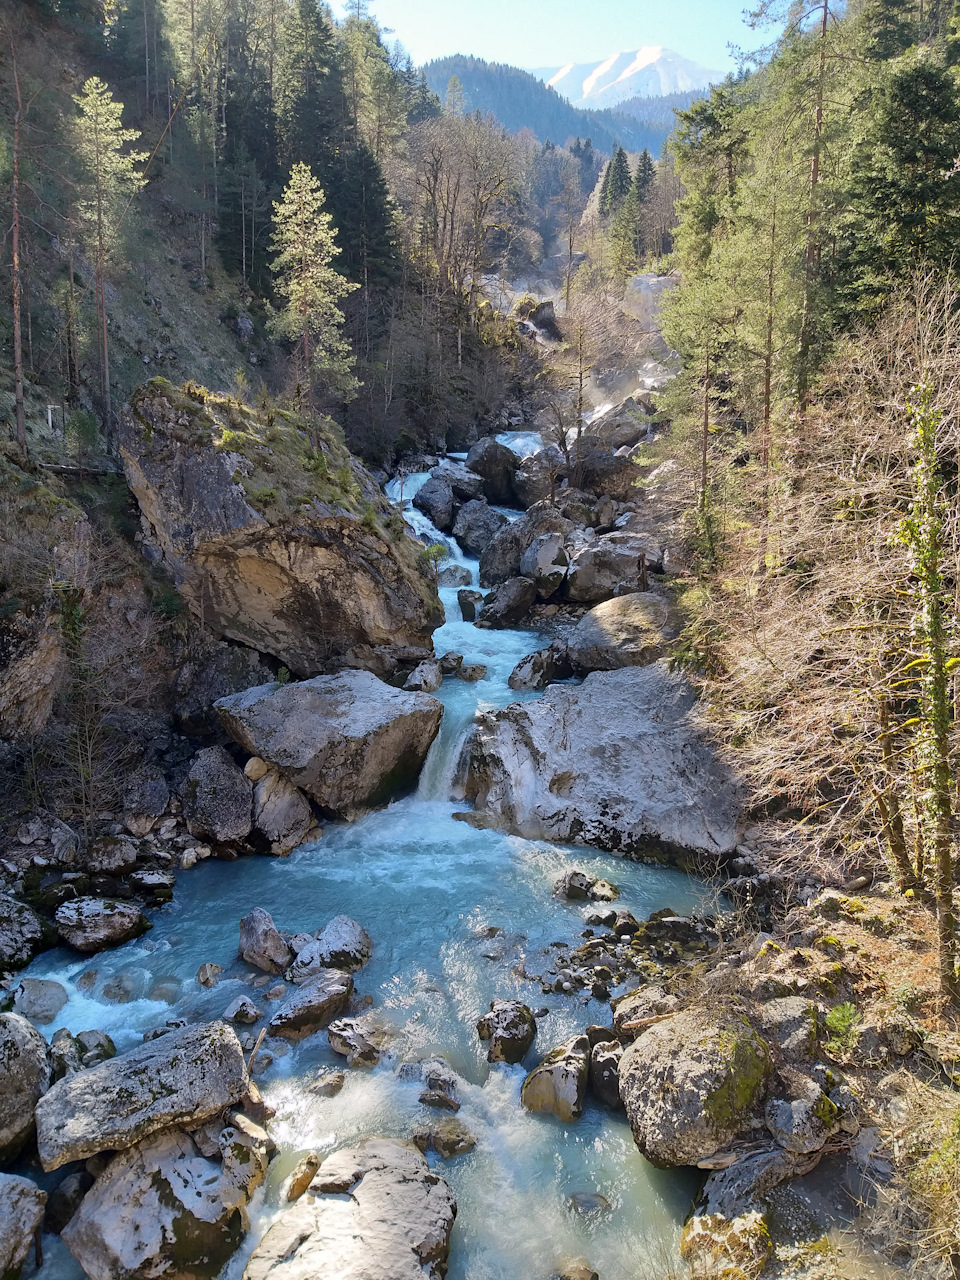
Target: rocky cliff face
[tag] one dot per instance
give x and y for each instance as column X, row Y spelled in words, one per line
column 283, row 544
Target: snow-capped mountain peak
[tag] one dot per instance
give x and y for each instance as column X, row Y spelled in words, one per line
column 646, row 72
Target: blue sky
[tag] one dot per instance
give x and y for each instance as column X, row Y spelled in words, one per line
column 531, row 33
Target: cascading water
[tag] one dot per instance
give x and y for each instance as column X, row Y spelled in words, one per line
column 430, row 891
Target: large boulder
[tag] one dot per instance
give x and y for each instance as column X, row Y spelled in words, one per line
column 217, row 798
column 282, row 816
column 39, row 999
column 184, row 1076
column 466, row 485
column 605, row 1072
column 312, row 1006
column 628, row 631
column 263, row 530
column 372, row 1212
column 435, row 499
column 163, row 1208
column 21, row 933
column 799, row 1114
column 542, row 667
column 613, row 474
column 476, row 525
column 261, row 944
column 539, row 476
column 621, row 762
column 22, row 1205
column 558, row 1085
column 24, row 1079
column 496, row 465
column 146, row 795
column 508, row 604
column 691, row 1084
column 341, row 944
column 614, row 564
column 546, row 562
column 94, row 924
column 509, row 1028
column 501, row 559
column 349, row 740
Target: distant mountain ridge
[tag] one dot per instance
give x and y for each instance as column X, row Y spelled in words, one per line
column 520, row 100
column 641, row 73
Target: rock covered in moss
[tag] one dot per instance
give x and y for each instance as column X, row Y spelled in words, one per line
column 24, row 1078
column 799, row 1115
column 274, row 539
column 95, row 924
column 375, row 1211
column 349, row 740
column 558, row 1085
column 163, row 1208
column 183, row 1076
column 691, row 1083
column 509, row 1028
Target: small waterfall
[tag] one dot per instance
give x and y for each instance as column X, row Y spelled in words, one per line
column 440, row 767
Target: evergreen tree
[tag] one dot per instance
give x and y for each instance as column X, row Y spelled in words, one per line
column 889, row 28
column 645, row 175
column 110, row 177
column 617, row 182
column 308, row 90
column 454, row 100
column 312, row 290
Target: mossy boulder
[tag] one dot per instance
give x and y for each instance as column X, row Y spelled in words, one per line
column 723, row 1249
column 692, row 1083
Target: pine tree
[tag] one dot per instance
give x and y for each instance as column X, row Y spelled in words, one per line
column 645, row 175
column 888, row 28
column 309, row 90
column 110, row 178
column 617, row 182
column 305, row 246
column 454, row 100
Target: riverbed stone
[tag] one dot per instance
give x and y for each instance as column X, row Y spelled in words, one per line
column 476, row 525
column 165, row 1208
column 349, row 740
column 356, row 1040
column 622, row 762
column 509, row 1028
column 448, row 1138
column 508, row 604
column 558, row 1085
column 425, row 678
column 24, row 1078
column 186, row 1075
column 605, row 1073
column 313, row 1006
column 39, row 999
column 469, row 601
column 471, row 672
column 96, row 924
column 497, row 465
column 628, row 631
column 281, row 812
column 342, row 943
column 146, row 795
column 21, row 1212
column 21, row 933
column 610, row 565
column 501, row 559
column 692, row 1083
column 435, row 499
column 242, row 1010
column 394, row 1224
column 454, row 575
column 545, row 562
column 261, row 944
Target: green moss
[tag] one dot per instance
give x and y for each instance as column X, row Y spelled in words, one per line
column 747, row 1064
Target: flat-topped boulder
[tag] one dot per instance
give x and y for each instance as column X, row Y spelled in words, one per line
column 184, row 1076
column 622, row 762
column 312, row 1006
column 95, row 924
column 349, row 740
column 375, row 1211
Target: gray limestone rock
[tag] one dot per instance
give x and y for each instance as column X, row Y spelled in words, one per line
column 349, row 740
column 281, row 813
column 628, row 631
column 394, row 1224
column 497, row 465
column 510, row 1028
column 426, row 678
column 184, row 1076
column 546, row 562
column 95, row 924
column 24, row 1079
column 476, row 525
column 558, row 1085
column 21, row 933
column 146, row 795
column 261, row 944
column 508, row 604
column 605, row 1073
column 435, row 499
column 217, row 798
column 21, row 1213
column 39, row 999
column 313, row 1006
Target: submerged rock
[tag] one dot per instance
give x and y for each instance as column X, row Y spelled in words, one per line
column 558, row 1085
column 24, row 1079
column 621, row 762
column 95, row 924
column 184, row 1076
column 349, row 740
column 395, row 1223
column 165, row 1208
column 21, row 1212
column 305, row 578
column 691, row 1084
column 510, row 1029
column 448, row 1138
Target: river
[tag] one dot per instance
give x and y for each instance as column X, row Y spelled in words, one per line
column 428, row 890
